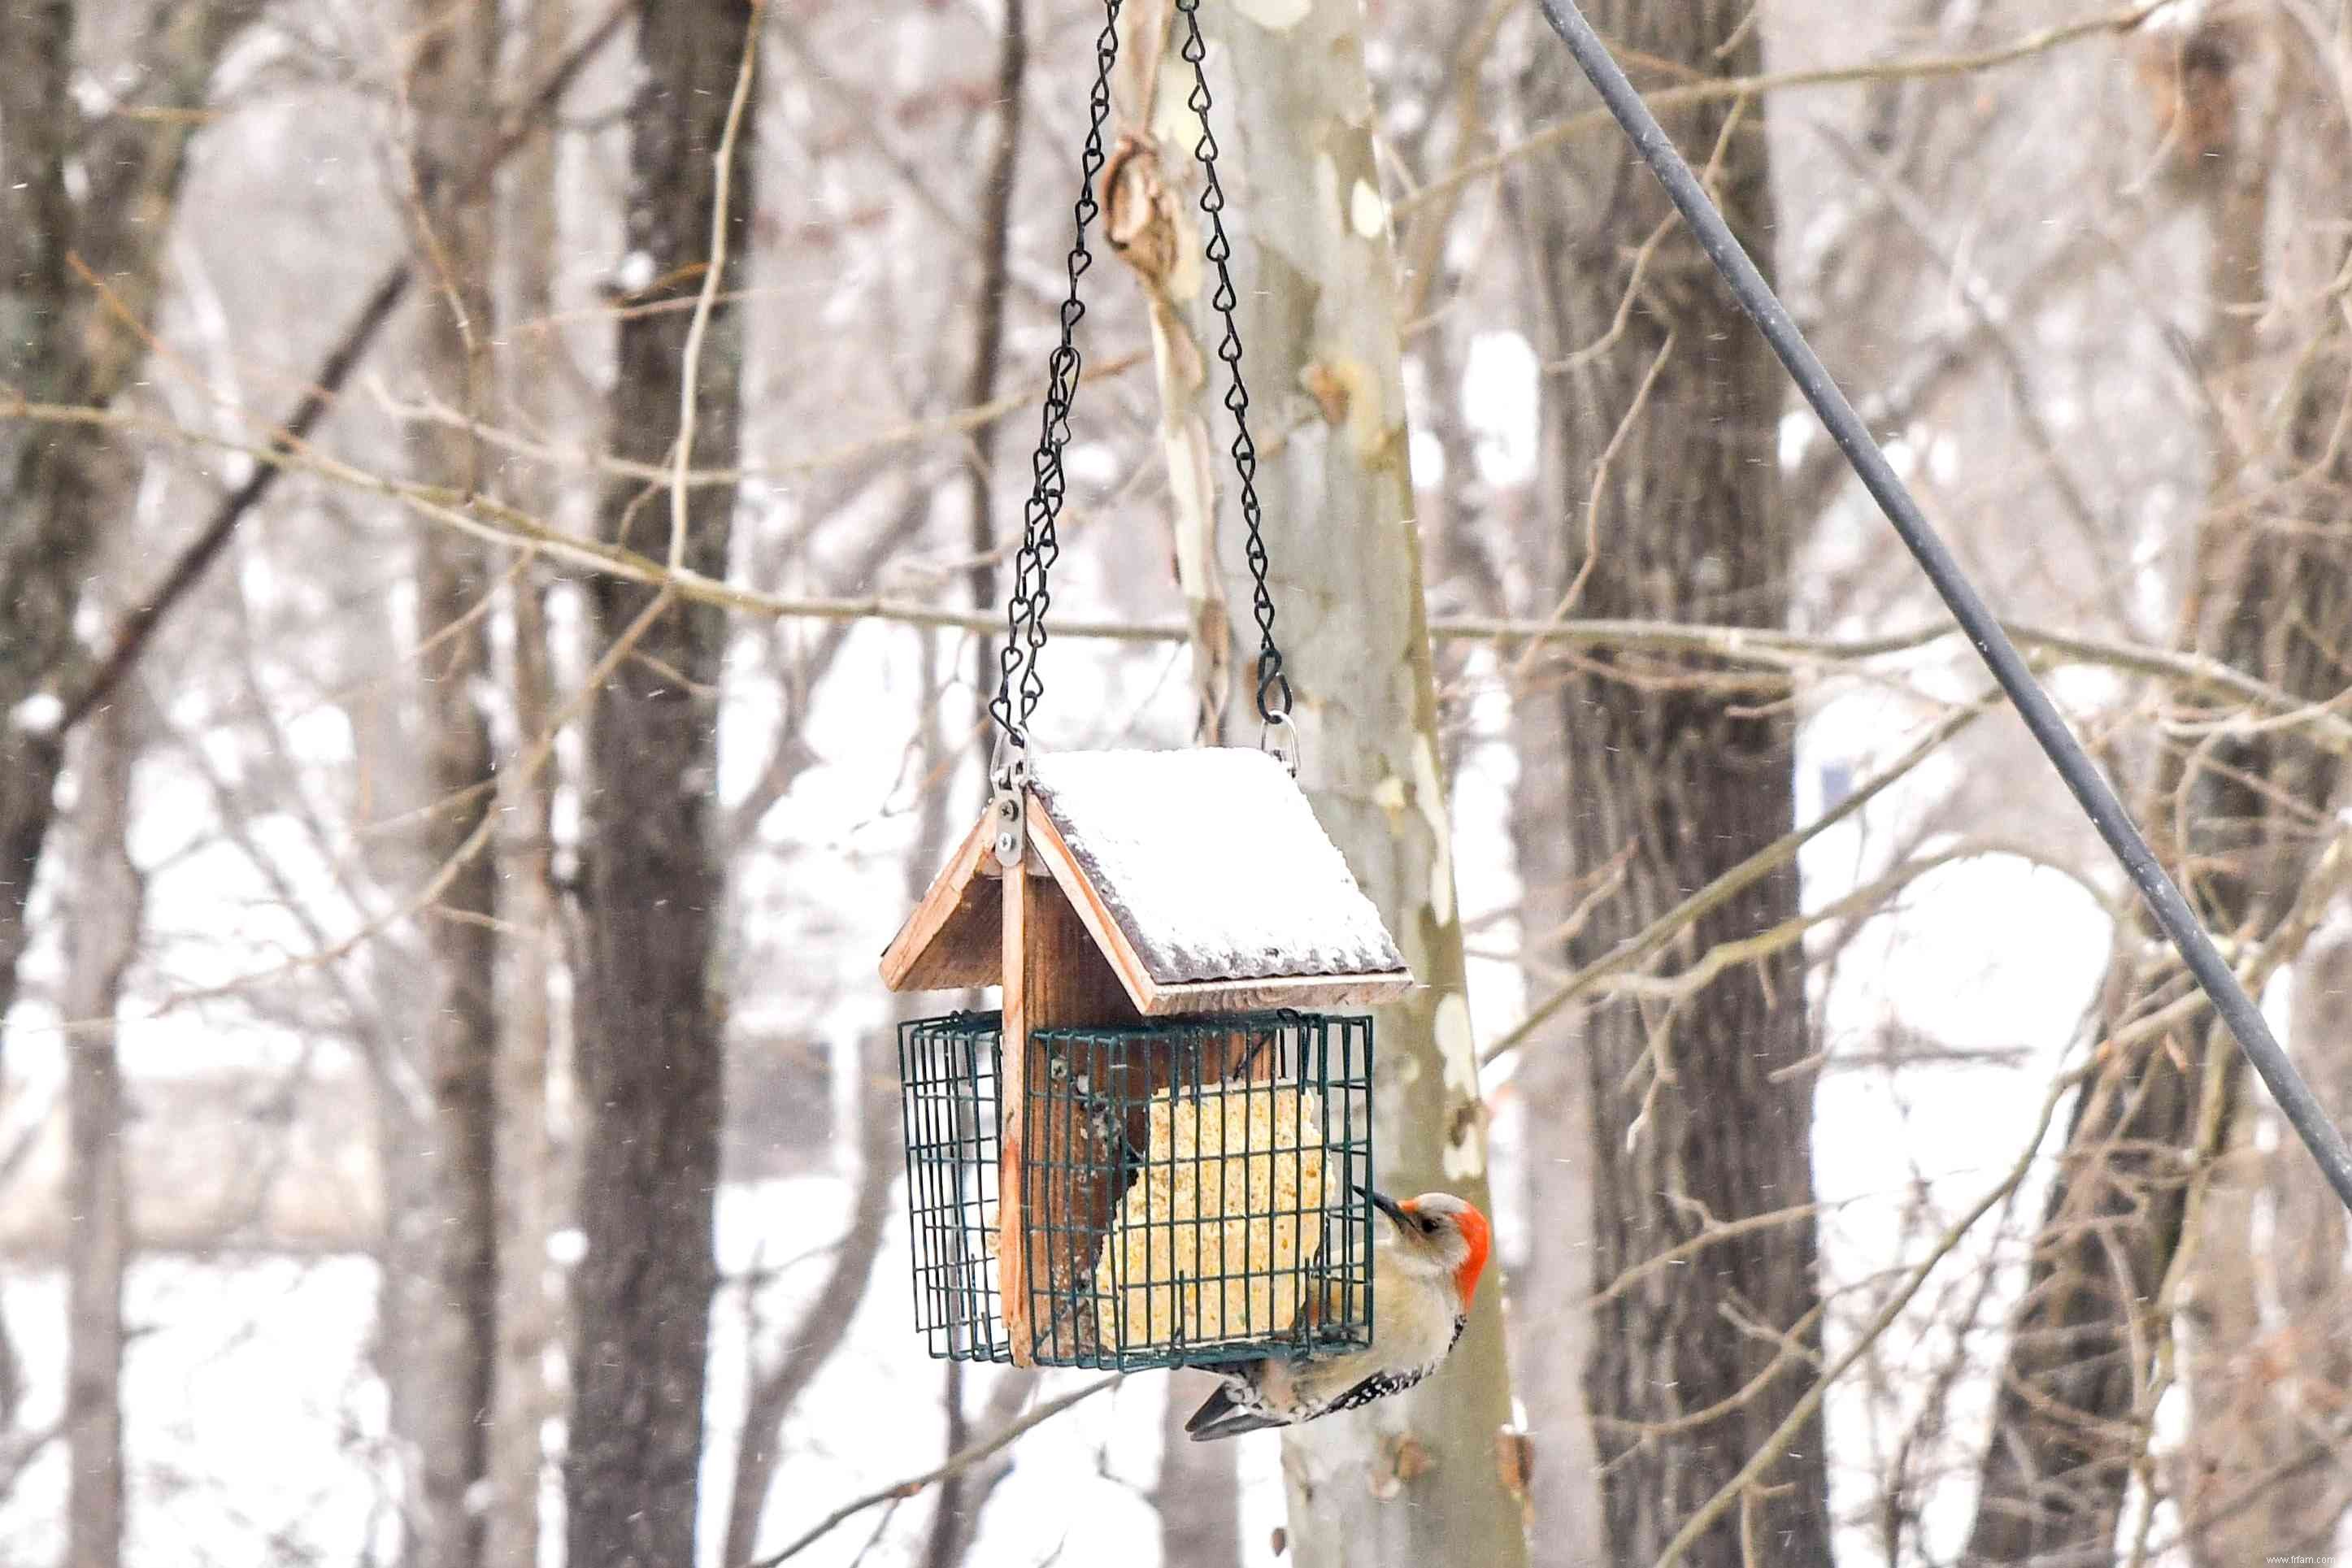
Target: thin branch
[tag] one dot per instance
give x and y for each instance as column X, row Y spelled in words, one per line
column 525, row 768
column 357, row 338
column 486, row 519
column 689, row 379
column 1716, row 89
column 963, row 422
column 955, row 1463
column 1767, row 1452
column 1762, row 863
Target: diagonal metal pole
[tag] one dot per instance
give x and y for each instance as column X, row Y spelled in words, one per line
column 2099, row 800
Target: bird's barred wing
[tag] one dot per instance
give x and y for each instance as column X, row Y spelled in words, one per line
column 1379, row 1386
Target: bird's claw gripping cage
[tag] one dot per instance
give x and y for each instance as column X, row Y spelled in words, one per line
column 1193, row 1190
column 1154, row 1154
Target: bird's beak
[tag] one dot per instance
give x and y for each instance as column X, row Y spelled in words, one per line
column 1386, row 1205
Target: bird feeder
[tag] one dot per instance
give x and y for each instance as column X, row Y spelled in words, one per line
column 1158, row 1153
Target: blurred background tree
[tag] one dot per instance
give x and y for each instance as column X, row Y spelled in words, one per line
column 447, row 816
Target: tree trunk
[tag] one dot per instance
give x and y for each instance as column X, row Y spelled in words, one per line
column 46, row 540
column 824, row 1325
column 449, row 89
column 99, row 946
column 649, row 1024
column 1199, row 1491
column 54, row 348
column 525, row 1312
column 2270, row 596
column 2255, row 1480
column 521, row 1401
column 996, row 192
column 1694, row 1118
column 1551, row 1322
column 1418, row 1478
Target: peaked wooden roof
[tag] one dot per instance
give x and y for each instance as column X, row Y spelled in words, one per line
column 1202, row 875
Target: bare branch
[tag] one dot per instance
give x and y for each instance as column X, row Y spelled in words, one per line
column 955, row 1464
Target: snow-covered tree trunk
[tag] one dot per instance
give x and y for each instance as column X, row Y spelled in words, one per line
column 1419, row 1479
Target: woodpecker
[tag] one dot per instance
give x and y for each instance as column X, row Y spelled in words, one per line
column 1426, row 1259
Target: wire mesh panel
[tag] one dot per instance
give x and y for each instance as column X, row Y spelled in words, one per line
column 1193, row 1191
column 948, row 1073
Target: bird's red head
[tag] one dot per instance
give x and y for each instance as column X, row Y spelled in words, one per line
column 1478, row 1238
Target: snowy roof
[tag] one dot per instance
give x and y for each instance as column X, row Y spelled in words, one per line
column 1203, row 874
column 1213, row 864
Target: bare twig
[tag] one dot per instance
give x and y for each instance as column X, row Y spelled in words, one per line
column 689, row 379
column 1767, row 1452
column 1715, row 90
column 357, row 338
column 1659, row 931
column 489, row 519
column 955, row 1463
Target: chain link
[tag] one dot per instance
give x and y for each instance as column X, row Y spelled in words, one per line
column 1273, row 684
column 1019, row 684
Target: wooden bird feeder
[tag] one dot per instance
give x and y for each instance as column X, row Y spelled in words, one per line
column 1158, row 1152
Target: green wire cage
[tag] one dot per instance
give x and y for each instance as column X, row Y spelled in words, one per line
column 1159, row 1151
column 1195, row 1191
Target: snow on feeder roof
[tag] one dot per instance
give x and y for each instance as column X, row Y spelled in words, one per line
column 1201, row 876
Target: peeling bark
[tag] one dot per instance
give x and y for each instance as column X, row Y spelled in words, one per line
column 1415, row 1479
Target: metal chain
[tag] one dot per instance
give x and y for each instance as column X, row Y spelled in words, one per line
column 1019, row 686
column 1273, row 685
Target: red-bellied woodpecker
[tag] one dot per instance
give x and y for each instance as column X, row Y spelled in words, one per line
column 1425, row 1264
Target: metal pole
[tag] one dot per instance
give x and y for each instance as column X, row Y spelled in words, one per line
column 2074, row 766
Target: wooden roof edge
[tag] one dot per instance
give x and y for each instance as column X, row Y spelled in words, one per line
column 1047, row 846
column 1248, row 995
column 929, row 918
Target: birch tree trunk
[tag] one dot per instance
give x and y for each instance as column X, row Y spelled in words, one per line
column 449, row 94
column 1419, row 1479
column 650, row 1021
column 1701, row 1112
column 100, row 945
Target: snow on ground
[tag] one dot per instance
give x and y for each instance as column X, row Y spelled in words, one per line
column 259, row 1431
column 255, row 1427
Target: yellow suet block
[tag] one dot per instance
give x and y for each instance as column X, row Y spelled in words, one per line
column 1215, row 1239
